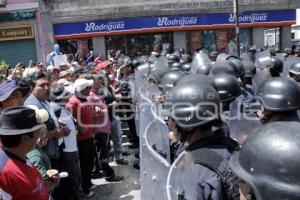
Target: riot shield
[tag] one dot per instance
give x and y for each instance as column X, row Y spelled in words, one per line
column 224, row 56
column 144, row 69
column 246, row 56
column 241, row 124
column 200, row 59
column 263, row 59
column 182, row 180
column 162, row 61
column 154, row 157
column 260, row 76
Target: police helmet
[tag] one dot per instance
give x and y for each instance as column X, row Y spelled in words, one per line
column 224, row 67
column 250, row 68
column 201, row 69
column 238, row 65
column 279, row 94
column 169, row 80
column 295, row 69
column 193, row 104
column 157, row 72
column 228, row 87
column 276, row 64
column 176, row 66
column 267, row 161
column 186, row 67
column 173, row 58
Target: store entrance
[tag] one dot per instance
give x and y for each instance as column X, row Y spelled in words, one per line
column 138, row 44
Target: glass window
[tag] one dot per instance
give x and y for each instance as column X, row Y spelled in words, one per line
column 138, row 44
column 272, row 37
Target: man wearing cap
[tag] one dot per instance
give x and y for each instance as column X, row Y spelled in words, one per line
column 69, row 159
column 82, row 112
column 10, row 94
column 19, row 179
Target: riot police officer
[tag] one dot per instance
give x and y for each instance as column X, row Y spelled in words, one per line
column 195, row 107
column 128, row 98
column 173, row 58
column 294, row 72
column 268, row 162
column 279, row 99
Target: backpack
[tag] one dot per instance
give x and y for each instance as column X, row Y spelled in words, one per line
column 215, row 162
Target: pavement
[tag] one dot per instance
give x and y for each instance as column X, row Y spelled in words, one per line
column 128, row 189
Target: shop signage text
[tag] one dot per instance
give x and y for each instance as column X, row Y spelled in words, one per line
column 182, row 21
column 173, row 22
column 252, row 18
column 16, row 32
column 92, row 26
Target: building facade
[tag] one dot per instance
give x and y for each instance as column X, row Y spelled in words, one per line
column 137, row 25
column 19, row 31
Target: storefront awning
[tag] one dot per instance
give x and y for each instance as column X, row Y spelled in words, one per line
column 172, row 23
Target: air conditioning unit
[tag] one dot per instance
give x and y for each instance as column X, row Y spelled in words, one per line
column 2, row 3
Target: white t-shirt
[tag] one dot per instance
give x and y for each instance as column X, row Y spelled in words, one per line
column 71, row 139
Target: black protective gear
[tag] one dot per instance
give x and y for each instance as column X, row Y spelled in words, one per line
column 157, row 72
column 176, row 66
column 228, row 87
column 186, row 67
column 295, row 69
column 196, row 79
column 268, row 161
column 279, row 94
column 169, row 80
column 239, row 67
column 173, row 58
column 250, row 68
column 193, row 104
column 202, row 69
column 224, row 67
column 276, row 66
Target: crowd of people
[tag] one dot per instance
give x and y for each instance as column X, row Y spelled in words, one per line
column 63, row 118
column 72, row 131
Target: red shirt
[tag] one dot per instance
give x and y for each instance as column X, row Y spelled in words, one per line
column 20, row 180
column 83, row 113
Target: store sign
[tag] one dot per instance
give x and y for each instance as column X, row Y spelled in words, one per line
column 172, row 22
column 16, row 32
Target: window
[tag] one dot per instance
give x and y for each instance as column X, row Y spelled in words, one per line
column 272, row 37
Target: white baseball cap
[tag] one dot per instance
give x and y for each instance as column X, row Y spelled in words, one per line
column 81, row 84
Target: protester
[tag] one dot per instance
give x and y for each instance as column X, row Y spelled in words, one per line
column 19, row 133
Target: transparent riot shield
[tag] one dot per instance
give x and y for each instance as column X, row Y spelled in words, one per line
column 263, row 59
column 224, row 56
column 241, row 124
column 182, row 180
column 154, row 156
column 200, row 59
column 161, row 61
column 260, row 76
column 246, row 56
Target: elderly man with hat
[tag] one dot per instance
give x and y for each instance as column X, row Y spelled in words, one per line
column 20, row 130
column 82, row 113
